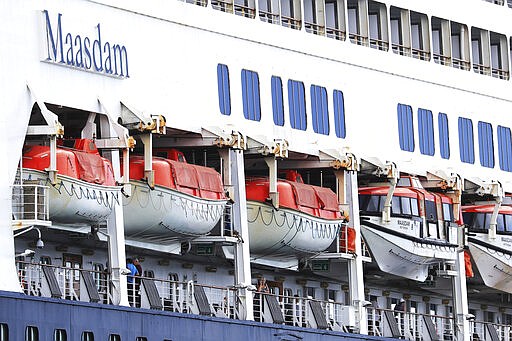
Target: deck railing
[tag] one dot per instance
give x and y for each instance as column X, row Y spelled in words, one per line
column 358, row 39
column 379, row 44
column 335, row 33
column 314, row 28
column 30, row 205
column 269, row 17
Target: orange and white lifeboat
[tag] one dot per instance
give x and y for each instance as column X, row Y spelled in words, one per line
column 420, row 232
column 492, row 255
column 187, row 200
column 85, row 192
column 307, row 221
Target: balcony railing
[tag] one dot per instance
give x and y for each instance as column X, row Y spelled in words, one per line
column 379, row 44
column 441, row 59
column 482, row 69
column 500, row 73
column 245, row 11
column 401, row 49
column 420, row 54
column 461, row 64
column 269, row 17
column 358, row 39
column 221, row 5
column 314, row 28
column 296, row 24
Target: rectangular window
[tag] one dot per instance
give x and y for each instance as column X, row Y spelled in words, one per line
column 114, row 337
column 339, row 114
column 251, row 95
column 87, row 336
column 486, row 145
column 297, row 104
column 444, row 140
column 466, row 140
column 31, row 333
column 223, row 86
column 60, row 335
column 405, row 127
column 4, row 331
column 426, row 132
column 277, row 101
column 319, row 110
column 505, row 148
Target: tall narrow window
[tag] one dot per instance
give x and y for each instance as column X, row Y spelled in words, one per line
column 466, row 140
column 4, row 332
column 505, row 148
column 339, row 114
column 60, row 335
column 444, row 140
column 251, row 95
column 426, row 132
column 31, row 333
column 87, row 336
column 114, row 337
column 405, row 127
column 319, row 110
column 223, row 85
column 486, row 145
column 277, row 100
column 297, row 104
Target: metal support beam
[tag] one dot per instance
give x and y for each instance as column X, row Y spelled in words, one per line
column 391, row 172
column 272, row 172
column 460, row 299
column 149, row 173
column 235, row 159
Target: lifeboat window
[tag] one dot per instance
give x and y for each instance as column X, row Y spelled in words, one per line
column 60, row 335
column 414, row 207
column 406, row 206
column 378, row 24
column 31, row 333
column 479, row 221
column 339, row 114
column 277, row 101
column 373, row 204
column 447, row 212
column 444, row 142
column 319, row 110
column 426, row 132
column 87, row 336
column 4, row 332
column 430, row 210
column 505, row 148
column 466, row 140
column 485, row 143
column 297, row 104
column 508, row 222
column 223, row 88
column 405, row 127
column 251, row 95
column 500, row 223
column 404, row 182
column 395, row 205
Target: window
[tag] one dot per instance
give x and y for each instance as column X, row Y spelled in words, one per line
column 114, row 337
column 357, row 13
column 314, row 18
column 448, row 212
column 420, row 40
column 277, row 100
column 4, row 331
column 339, row 114
column 486, row 145
column 31, row 333
column 223, row 85
column 444, row 140
column 426, row 132
column 319, row 110
column 505, row 148
column 141, row 338
column 378, row 25
column 60, row 335
column 466, row 142
column 87, row 336
column 149, row 274
column 405, row 127
column 297, row 104
column 251, row 95
column 480, row 51
column 400, row 31
column 460, row 46
column 335, row 19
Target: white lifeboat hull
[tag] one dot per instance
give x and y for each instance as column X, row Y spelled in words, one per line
column 493, row 260
column 164, row 215
column 288, row 232
column 402, row 254
column 76, row 202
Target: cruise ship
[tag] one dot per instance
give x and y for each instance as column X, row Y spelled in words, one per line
column 259, row 170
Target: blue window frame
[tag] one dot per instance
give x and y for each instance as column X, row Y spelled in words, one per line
column 251, row 95
column 466, row 140
column 339, row 114
column 319, row 110
column 405, row 127
column 505, row 148
column 223, row 86
column 277, row 101
column 486, row 144
column 426, row 132
column 297, row 104
column 444, row 134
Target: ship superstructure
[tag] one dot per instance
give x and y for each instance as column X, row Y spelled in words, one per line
column 288, row 169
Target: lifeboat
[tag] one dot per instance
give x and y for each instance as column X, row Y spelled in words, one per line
column 421, row 230
column 85, row 192
column 492, row 256
column 186, row 202
column 307, row 220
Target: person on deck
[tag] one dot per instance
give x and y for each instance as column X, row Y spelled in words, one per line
column 130, row 280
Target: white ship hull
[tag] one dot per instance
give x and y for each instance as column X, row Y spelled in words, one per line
column 404, row 255
column 285, row 231
column 165, row 215
column 493, row 260
column 76, row 202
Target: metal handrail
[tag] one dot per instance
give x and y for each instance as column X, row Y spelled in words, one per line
column 245, row 11
column 420, row 54
column 358, row 39
column 441, row 59
column 401, row 49
column 379, row 44
column 335, row 33
column 291, row 22
column 269, row 17
column 314, row 28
